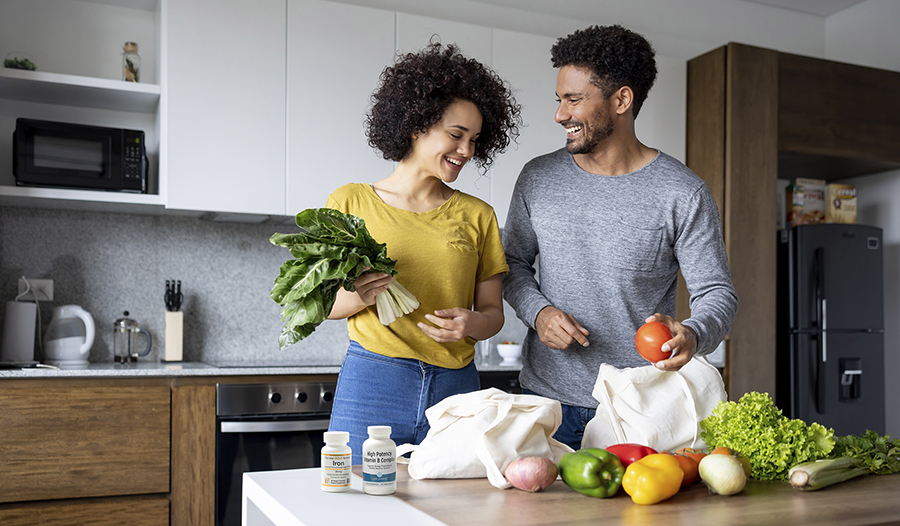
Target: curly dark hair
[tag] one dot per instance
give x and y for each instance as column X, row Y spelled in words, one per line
column 418, row 88
column 616, row 56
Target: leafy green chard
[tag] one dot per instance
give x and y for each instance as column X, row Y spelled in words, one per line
column 331, row 252
column 877, row 454
column 760, row 431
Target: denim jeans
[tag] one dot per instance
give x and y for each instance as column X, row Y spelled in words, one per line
column 378, row 390
column 575, row 418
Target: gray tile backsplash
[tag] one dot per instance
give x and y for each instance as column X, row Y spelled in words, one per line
column 109, row 263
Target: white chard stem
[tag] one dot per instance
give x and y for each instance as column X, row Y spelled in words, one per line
column 394, row 302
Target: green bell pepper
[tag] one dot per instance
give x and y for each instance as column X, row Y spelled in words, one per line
column 592, row 471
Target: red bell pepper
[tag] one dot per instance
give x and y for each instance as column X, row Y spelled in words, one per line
column 629, row 453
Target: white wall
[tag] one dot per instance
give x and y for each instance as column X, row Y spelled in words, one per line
column 867, row 34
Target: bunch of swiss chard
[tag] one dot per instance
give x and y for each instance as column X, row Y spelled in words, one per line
column 332, row 251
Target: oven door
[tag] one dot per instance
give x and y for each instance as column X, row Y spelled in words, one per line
column 262, row 443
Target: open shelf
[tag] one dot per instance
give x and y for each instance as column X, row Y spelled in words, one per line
column 74, row 90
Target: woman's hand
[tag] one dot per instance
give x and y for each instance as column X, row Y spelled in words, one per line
column 486, row 320
column 450, row 325
column 368, row 285
column 683, row 343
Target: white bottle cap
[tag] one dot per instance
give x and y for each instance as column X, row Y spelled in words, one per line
column 380, row 431
column 336, row 437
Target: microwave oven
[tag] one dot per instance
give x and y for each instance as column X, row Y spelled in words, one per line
column 64, row 155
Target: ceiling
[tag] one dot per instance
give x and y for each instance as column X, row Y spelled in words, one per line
column 813, row 7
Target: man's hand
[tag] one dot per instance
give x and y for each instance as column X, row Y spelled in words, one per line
column 683, row 343
column 558, row 330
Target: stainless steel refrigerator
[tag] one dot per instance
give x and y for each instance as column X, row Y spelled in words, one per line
column 830, row 326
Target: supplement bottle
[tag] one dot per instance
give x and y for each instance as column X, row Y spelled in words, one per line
column 379, row 462
column 336, row 462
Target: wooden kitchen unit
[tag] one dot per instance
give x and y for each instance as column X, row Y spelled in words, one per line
column 755, row 115
column 111, row 451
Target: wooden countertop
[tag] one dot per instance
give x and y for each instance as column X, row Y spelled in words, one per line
column 866, row 500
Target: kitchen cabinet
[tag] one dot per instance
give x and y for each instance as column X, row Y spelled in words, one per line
column 78, row 80
column 112, row 450
column 754, row 115
column 77, row 449
column 328, row 89
column 224, row 106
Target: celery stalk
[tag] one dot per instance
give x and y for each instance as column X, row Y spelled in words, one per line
column 810, row 476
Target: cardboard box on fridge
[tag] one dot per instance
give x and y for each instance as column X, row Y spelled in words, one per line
column 805, row 202
column 840, row 203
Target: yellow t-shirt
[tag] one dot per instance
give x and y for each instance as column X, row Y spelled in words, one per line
column 441, row 254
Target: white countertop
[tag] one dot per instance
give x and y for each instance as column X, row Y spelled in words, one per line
column 294, row 497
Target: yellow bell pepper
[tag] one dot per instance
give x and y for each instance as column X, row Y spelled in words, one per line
column 652, row 479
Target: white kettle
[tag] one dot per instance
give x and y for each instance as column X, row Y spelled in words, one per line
column 69, row 337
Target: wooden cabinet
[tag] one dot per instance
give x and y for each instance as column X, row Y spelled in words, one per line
column 67, row 441
column 754, row 115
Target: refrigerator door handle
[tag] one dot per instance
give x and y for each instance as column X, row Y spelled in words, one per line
column 822, row 318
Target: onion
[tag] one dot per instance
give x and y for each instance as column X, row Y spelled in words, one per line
column 531, row 474
column 724, row 474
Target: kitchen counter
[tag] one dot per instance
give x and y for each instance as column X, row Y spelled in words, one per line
column 163, row 369
column 295, row 497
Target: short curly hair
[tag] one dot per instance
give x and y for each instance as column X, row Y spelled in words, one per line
column 414, row 93
column 616, row 56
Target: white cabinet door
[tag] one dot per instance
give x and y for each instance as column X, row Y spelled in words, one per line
column 413, row 34
column 336, row 53
column 523, row 60
column 224, row 94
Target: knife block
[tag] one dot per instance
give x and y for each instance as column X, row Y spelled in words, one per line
column 174, row 336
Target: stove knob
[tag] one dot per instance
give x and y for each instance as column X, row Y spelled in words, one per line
column 327, row 396
column 302, row 397
column 275, row 397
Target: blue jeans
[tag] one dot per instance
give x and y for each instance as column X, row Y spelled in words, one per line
column 377, row 390
column 575, row 418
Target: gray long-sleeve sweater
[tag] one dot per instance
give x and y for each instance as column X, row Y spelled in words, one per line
column 610, row 250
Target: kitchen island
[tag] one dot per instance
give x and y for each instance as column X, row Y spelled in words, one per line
column 294, row 497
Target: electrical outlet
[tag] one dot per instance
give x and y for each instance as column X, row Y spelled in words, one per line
column 42, row 288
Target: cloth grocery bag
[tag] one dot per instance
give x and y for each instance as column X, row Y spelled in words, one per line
column 477, row 434
column 647, row 406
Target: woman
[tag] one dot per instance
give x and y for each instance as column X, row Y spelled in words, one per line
column 433, row 112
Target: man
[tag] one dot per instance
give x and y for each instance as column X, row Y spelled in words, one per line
column 613, row 221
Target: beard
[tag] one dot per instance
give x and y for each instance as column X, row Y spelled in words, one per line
column 600, row 128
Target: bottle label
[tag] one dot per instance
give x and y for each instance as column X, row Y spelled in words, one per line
column 379, row 467
column 336, row 470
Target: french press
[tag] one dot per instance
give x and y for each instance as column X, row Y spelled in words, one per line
column 125, row 333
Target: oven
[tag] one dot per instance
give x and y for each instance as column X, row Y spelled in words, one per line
column 262, row 427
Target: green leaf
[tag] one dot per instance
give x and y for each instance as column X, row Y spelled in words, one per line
column 331, row 252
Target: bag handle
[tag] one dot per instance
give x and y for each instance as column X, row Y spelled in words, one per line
column 693, row 403
column 494, row 475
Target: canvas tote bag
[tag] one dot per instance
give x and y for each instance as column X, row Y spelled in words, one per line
column 477, row 434
column 647, row 406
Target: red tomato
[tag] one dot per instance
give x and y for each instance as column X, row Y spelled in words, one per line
column 690, row 468
column 629, row 453
column 695, row 454
column 650, row 339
